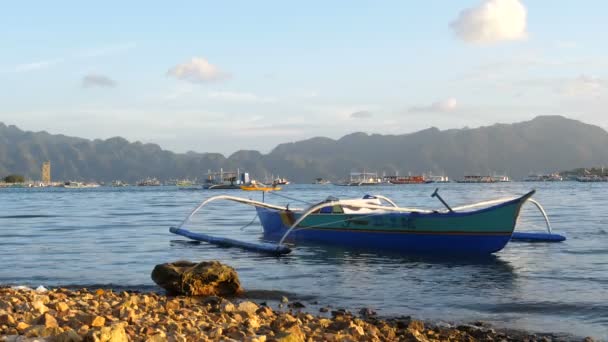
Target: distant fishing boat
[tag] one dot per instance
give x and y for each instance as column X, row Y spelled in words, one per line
column 118, row 183
column 553, row 177
column 376, row 222
column 501, row 178
column 436, row 179
column 404, row 179
column 477, row 179
column 362, row 179
column 260, row 187
column 281, row 181
column 321, row 181
column 79, row 185
column 149, row 182
column 225, row 180
column 186, row 184
column 589, row 177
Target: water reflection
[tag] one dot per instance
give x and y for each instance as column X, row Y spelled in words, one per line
column 116, row 236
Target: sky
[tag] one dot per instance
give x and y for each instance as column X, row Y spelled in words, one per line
column 219, row 76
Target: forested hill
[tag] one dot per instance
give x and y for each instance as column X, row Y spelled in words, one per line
column 544, row 144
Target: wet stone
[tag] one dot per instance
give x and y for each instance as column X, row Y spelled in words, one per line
column 68, row 336
column 46, row 320
column 7, row 319
column 296, row 305
column 367, row 312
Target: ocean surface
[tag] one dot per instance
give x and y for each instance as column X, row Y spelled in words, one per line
column 115, row 236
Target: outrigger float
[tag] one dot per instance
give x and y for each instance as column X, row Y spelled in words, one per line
column 376, row 222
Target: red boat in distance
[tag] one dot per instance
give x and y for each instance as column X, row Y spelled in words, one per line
column 405, row 179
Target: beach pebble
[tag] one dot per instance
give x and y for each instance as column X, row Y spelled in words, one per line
column 355, row 330
column 42, row 331
column 227, row 306
column 114, row 333
column 6, row 306
column 22, row 326
column 292, row 333
column 252, row 322
column 40, row 307
column 7, row 319
column 68, row 336
column 46, row 320
column 130, row 316
column 265, row 311
column 415, row 325
column 257, row 338
column 61, row 306
column 216, row 333
column 248, row 307
column 157, row 338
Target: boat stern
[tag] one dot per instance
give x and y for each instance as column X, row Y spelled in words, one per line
column 274, row 222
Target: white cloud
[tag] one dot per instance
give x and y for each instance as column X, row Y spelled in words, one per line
column 491, row 21
column 306, row 94
column 566, row 44
column 584, row 86
column 362, row 114
column 95, row 80
column 36, row 65
column 107, row 50
column 197, row 70
column 179, row 91
column 230, row 96
column 447, row 105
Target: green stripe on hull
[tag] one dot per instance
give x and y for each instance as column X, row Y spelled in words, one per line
column 496, row 221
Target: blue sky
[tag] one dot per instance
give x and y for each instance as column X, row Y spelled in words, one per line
column 223, row 76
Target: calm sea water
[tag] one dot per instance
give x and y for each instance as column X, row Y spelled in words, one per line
column 106, row 236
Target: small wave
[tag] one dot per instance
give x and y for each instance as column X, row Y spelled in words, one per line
column 25, row 216
column 6, row 236
column 594, row 310
column 114, row 287
column 587, row 251
column 569, row 279
column 141, row 213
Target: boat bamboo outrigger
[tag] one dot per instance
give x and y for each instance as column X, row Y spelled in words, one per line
column 376, row 222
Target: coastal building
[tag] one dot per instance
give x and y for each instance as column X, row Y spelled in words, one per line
column 46, row 173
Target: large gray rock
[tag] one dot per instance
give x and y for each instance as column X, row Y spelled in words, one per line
column 207, row 278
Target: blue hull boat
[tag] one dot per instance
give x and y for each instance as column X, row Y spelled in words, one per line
column 377, row 223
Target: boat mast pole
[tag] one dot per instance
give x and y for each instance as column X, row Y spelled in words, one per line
column 436, row 194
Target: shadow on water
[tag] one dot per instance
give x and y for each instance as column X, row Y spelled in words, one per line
column 477, row 269
column 473, row 270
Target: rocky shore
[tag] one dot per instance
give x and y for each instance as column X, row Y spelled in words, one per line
column 64, row 315
column 197, row 308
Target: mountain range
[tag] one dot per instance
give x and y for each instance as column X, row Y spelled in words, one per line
column 543, row 144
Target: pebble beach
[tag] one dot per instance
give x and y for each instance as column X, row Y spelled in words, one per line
column 71, row 315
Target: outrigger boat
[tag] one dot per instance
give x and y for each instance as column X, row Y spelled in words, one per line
column 260, row 187
column 376, row 222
